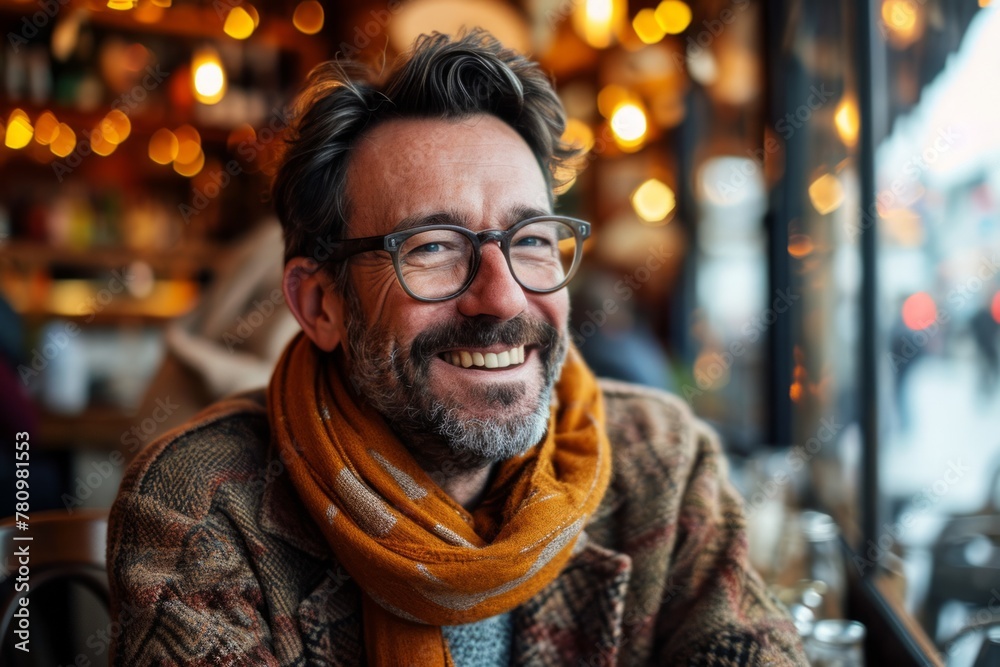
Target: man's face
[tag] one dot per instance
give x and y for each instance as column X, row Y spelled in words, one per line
column 479, row 173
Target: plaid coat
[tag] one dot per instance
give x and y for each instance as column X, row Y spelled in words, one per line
column 213, row 560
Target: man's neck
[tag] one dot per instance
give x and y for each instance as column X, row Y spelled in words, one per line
column 468, row 488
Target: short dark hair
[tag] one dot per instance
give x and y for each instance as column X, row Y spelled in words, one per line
column 440, row 77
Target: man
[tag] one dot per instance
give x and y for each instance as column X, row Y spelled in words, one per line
column 434, row 477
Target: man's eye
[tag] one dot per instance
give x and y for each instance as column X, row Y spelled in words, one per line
column 533, row 241
column 429, row 248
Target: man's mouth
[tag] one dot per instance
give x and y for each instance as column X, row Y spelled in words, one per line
column 472, row 359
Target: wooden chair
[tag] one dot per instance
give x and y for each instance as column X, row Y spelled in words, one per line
column 65, row 547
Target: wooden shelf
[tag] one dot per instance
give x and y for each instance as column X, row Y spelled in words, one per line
column 95, row 428
column 183, row 259
column 191, row 22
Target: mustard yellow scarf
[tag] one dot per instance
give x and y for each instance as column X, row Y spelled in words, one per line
column 422, row 560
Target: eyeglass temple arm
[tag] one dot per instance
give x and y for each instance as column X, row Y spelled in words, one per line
column 341, row 250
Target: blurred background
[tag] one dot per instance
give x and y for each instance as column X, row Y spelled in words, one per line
column 796, row 207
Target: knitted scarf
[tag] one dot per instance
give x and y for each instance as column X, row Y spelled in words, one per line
column 420, row 559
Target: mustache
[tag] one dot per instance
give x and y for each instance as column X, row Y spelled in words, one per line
column 482, row 333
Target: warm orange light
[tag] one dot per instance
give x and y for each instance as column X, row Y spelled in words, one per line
column 308, row 17
column 188, row 144
column 848, row 121
column 826, row 194
column 985, row 3
column 800, row 245
column 163, row 146
column 610, row 97
column 64, row 142
column 101, row 144
column 239, row 23
column 903, row 21
column 19, row 130
column 46, row 128
column 597, row 21
column 628, row 124
column 578, row 134
column 148, row 12
column 919, row 311
column 191, row 168
column 711, row 371
column 673, row 16
column 209, row 77
column 252, row 11
column 121, row 5
column 116, row 126
column 647, row 27
column 653, row 201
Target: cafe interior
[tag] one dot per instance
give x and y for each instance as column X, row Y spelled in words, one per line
column 796, row 229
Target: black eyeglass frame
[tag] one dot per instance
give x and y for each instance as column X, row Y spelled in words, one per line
column 391, row 243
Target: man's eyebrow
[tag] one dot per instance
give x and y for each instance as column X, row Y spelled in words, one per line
column 436, row 218
column 511, row 217
column 521, row 212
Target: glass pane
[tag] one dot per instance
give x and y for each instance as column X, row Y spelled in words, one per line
column 938, row 192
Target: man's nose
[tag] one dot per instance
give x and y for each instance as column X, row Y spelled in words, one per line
column 494, row 291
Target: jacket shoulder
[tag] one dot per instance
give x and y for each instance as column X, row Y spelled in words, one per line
column 656, row 442
column 186, row 468
column 641, row 417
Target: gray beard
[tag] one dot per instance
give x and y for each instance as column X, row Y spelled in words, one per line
column 433, row 430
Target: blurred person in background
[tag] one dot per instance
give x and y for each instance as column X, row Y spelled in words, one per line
column 434, row 476
column 230, row 342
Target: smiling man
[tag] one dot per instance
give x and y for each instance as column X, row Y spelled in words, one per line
column 433, row 476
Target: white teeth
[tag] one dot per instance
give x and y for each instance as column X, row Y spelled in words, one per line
column 464, row 359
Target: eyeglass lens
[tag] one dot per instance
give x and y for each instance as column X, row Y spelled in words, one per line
column 436, row 263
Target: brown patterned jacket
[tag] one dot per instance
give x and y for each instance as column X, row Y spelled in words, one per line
column 213, row 560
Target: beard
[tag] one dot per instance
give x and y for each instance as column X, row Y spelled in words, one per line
column 443, row 440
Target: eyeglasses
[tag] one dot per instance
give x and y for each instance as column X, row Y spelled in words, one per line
column 439, row 262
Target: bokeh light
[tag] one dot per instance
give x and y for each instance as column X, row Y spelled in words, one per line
column 673, row 16
column 308, row 17
column 826, row 194
column 239, row 23
column 653, row 201
column 647, row 27
column 209, row 78
column 19, row 130
column 919, row 311
column 163, row 146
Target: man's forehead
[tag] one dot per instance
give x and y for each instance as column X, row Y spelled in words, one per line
column 407, row 169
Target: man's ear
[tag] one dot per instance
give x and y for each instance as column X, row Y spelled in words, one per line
column 318, row 307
